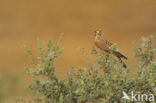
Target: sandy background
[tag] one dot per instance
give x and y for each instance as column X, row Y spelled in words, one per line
column 23, row 21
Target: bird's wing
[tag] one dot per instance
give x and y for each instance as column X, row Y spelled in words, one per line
column 107, row 42
column 102, row 43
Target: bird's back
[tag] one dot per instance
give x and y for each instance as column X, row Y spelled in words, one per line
column 102, row 43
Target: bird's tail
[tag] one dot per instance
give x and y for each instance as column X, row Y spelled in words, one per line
column 118, row 54
column 124, row 65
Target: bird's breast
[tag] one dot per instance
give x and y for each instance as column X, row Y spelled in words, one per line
column 101, row 44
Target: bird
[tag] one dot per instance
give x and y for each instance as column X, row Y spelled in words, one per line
column 102, row 43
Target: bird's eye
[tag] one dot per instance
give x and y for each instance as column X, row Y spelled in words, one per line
column 94, row 32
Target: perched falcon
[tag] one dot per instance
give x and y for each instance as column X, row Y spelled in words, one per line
column 102, row 43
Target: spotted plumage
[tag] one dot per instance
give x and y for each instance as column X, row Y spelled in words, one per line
column 102, row 43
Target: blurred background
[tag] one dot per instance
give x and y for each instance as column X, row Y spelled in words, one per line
column 23, row 21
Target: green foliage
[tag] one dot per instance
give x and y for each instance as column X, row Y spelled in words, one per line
column 101, row 82
column 2, row 89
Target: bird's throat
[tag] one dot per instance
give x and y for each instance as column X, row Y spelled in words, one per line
column 97, row 36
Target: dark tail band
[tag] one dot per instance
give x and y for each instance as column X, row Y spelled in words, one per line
column 118, row 54
column 124, row 65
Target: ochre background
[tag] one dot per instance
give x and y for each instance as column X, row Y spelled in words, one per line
column 23, row 21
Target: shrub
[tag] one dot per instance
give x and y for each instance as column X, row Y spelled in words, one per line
column 101, row 82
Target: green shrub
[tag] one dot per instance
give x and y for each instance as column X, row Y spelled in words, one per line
column 2, row 89
column 103, row 81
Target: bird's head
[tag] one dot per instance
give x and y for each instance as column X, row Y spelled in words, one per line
column 97, row 33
